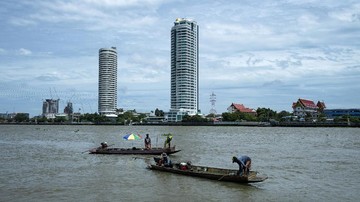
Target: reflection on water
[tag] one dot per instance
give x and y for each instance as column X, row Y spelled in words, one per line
column 48, row 163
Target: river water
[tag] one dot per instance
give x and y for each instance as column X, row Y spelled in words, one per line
column 49, row 163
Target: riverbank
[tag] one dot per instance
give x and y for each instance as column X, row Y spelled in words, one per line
column 253, row 124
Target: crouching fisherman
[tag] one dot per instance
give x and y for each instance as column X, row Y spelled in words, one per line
column 244, row 164
column 104, row 145
column 164, row 160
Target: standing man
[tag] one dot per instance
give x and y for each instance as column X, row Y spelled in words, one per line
column 147, row 142
column 168, row 140
column 244, row 164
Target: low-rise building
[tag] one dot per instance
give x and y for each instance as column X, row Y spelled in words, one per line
column 155, row 119
column 175, row 115
column 333, row 113
column 240, row 108
column 305, row 108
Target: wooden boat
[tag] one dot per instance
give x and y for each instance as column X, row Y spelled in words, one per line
column 212, row 173
column 133, row 150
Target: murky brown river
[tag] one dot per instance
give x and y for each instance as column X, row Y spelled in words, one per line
column 48, row 163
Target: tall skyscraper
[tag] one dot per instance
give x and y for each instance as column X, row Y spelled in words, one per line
column 69, row 108
column 107, row 81
column 184, row 69
column 50, row 108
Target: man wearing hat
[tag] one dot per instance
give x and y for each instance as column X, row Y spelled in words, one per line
column 244, row 164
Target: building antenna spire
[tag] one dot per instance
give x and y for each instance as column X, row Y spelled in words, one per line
column 212, row 101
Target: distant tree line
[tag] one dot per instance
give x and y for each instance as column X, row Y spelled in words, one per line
column 131, row 116
column 346, row 118
column 266, row 115
column 262, row 115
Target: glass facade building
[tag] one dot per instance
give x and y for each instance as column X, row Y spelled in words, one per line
column 184, row 67
column 333, row 113
column 107, row 81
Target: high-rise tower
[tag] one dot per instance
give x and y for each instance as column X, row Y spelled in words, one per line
column 185, row 66
column 107, row 81
column 50, row 108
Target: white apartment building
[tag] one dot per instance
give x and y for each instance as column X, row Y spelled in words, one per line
column 184, row 69
column 107, row 102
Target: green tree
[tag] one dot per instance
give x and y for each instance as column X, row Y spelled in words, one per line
column 235, row 116
column 248, row 117
column 345, row 118
column 354, row 119
column 97, row 118
column 265, row 114
column 341, row 119
column 42, row 119
column 282, row 114
column 321, row 117
column 138, row 118
column 94, row 118
column 229, row 116
column 127, row 117
column 21, row 117
column 195, row 118
column 60, row 119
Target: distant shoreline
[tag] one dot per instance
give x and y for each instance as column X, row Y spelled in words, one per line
column 252, row 124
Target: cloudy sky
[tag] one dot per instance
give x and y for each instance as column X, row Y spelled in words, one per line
column 260, row 53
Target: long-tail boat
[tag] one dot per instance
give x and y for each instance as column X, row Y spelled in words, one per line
column 134, row 150
column 219, row 174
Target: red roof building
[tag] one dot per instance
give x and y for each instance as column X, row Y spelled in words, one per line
column 304, row 107
column 240, row 108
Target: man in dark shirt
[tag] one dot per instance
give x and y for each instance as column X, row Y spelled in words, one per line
column 147, row 142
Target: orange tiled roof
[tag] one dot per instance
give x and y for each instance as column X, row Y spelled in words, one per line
column 308, row 103
column 242, row 108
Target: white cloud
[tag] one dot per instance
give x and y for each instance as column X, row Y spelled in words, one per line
column 347, row 14
column 94, row 15
column 308, row 22
column 23, row 51
column 292, row 66
column 22, row 22
column 124, row 3
column 258, row 53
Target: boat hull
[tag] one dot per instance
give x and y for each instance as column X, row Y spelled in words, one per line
column 212, row 173
column 139, row 151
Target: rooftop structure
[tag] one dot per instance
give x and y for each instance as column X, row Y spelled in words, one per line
column 240, row 108
column 304, row 107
